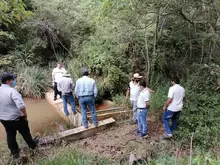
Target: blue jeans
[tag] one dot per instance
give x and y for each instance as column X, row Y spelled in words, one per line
column 173, row 116
column 68, row 98
column 90, row 102
column 142, row 121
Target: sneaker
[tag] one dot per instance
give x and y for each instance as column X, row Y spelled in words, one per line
column 167, row 136
column 96, row 124
column 85, row 126
column 54, row 99
column 133, row 122
column 138, row 132
column 143, row 135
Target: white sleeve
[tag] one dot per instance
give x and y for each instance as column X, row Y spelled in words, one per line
column 170, row 93
column 16, row 97
column 147, row 96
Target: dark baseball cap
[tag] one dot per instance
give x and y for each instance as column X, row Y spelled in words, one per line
column 85, row 70
column 7, row 76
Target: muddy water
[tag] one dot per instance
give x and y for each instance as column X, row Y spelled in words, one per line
column 41, row 116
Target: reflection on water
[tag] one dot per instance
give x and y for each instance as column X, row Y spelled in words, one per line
column 41, row 116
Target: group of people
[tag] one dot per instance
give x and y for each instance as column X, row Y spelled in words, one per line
column 85, row 91
column 13, row 114
column 140, row 102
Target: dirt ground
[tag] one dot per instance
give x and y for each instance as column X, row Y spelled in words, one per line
column 119, row 141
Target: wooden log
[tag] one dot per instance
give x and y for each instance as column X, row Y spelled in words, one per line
column 106, row 110
column 77, row 133
column 115, row 115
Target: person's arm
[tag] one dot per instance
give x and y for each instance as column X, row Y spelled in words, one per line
column 127, row 93
column 95, row 90
column 147, row 99
column 72, row 85
column 151, row 90
column 16, row 97
column 23, row 110
column 76, row 89
column 147, row 104
column 169, row 100
column 59, row 86
column 53, row 77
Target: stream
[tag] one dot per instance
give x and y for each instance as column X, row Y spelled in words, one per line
column 41, row 116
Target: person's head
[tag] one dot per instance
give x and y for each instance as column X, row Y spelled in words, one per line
column 142, row 84
column 85, row 71
column 137, row 77
column 8, row 79
column 59, row 65
column 175, row 80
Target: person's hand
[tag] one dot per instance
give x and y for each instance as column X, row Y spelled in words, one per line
column 164, row 108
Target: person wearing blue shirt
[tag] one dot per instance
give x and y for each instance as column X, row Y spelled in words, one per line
column 86, row 91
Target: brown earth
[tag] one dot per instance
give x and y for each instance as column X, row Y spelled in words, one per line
column 120, row 140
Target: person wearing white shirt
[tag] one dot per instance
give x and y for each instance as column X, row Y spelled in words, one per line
column 13, row 115
column 56, row 76
column 134, row 91
column 173, row 106
column 143, row 104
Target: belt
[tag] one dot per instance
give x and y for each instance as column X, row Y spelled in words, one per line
column 86, row 96
column 141, row 109
column 19, row 118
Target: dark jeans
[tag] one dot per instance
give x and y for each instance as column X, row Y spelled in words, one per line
column 68, row 98
column 173, row 116
column 11, row 128
column 56, row 92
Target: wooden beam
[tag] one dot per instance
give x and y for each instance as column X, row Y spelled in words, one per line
column 112, row 114
column 104, row 110
column 77, row 133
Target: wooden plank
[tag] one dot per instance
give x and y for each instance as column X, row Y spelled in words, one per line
column 78, row 133
column 104, row 110
column 76, row 120
column 116, row 115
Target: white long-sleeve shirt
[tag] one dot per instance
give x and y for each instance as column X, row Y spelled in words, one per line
column 10, row 103
column 57, row 74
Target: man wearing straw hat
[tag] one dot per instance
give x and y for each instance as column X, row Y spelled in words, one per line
column 134, row 91
column 65, row 86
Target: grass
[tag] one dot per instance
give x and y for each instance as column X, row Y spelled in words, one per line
column 73, row 157
column 33, row 81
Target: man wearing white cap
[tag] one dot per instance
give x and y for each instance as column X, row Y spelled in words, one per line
column 134, row 91
column 65, row 86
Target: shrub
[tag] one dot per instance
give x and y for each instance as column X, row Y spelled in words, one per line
column 33, row 81
column 201, row 109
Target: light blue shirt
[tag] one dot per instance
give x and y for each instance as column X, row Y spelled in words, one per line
column 10, row 103
column 85, row 86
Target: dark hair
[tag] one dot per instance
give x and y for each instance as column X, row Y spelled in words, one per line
column 143, row 83
column 7, row 77
column 85, row 73
column 175, row 79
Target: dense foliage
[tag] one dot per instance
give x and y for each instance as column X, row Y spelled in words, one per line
column 157, row 38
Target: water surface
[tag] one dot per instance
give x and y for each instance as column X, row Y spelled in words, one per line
column 41, row 116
